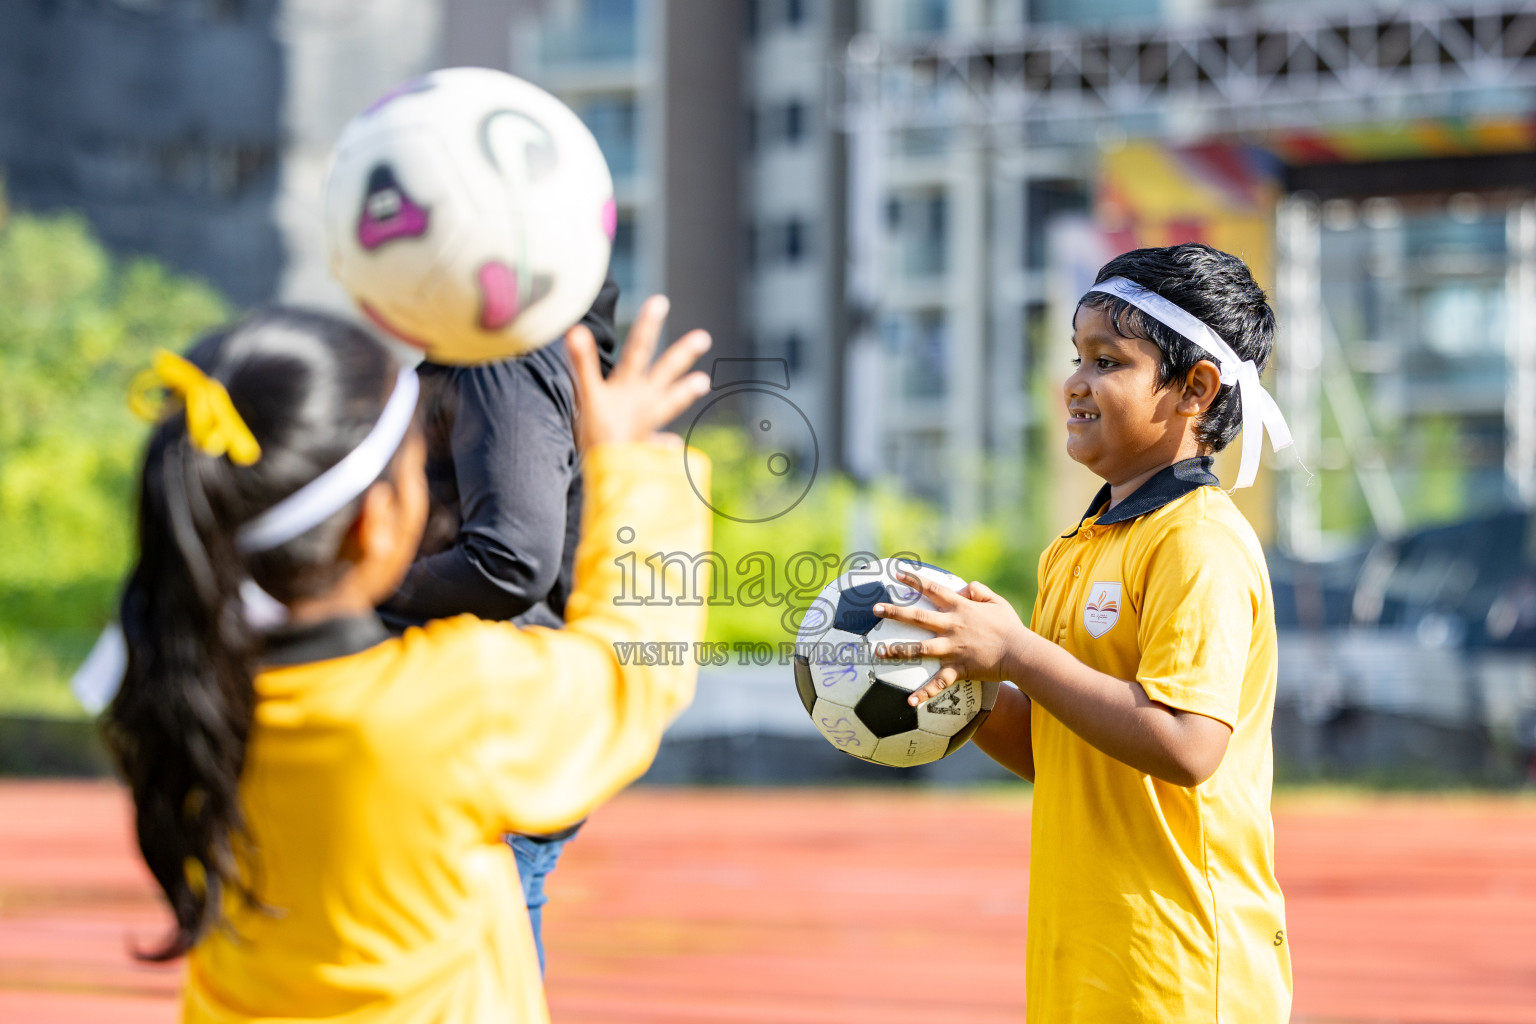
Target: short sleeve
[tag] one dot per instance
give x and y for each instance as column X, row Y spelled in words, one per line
column 1202, row 592
column 1041, row 568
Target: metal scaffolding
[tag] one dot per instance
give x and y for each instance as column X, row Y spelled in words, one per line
column 1232, row 73
column 1240, row 76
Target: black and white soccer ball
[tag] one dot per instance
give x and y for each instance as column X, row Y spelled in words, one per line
column 859, row 702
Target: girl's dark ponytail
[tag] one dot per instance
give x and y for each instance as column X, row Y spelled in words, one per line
column 309, row 387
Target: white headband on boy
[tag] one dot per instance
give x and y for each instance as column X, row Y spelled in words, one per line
column 328, row 493
column 1260, row 412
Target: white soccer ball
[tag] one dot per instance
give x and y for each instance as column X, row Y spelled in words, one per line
column 859, row 702
column 470, row 214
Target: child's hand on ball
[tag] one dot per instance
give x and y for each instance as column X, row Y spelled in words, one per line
column 639, row 396
column 976, row 633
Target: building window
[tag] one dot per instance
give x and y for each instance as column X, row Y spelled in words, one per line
column 766, row 15
column 1044, row 202
column 920, row 223
column 598, row 30
column 189, row 167
column 927, row 15
column 919, row 346
column 788, row 347
column 1087, row 12
column 778, row 124
column 611, row 12
column 612, row 121
column 774, row 244
column 225, row 10
column 794, row 241
column 794, row 121
column 794, row 351
column 622, row 262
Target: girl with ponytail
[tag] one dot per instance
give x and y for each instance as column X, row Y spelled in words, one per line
column 322, row 804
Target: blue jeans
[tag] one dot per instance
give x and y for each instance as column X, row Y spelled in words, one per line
column 536, row 858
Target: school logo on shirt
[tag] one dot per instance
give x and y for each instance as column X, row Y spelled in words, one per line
column 1103, row 609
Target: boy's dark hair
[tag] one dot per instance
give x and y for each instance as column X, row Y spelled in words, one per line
column 1215, row 287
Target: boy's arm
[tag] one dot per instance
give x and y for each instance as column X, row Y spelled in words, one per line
column 1117, row 716
column 1005, row 736
column 1175, row 720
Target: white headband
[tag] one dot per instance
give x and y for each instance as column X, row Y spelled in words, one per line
column 328, row 493
column 98, row 679
column 1260, row 413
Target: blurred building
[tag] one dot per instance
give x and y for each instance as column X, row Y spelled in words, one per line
column 713, row 118
column 658, row 84
column 196, row 131
column 902, row 199
column 1374, row 164
column 160, row 119
column 924, row 186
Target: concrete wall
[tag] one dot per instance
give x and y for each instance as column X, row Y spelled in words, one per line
column 340, row 55
column 700, row 194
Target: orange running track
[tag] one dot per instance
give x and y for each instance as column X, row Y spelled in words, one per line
column 826, row 906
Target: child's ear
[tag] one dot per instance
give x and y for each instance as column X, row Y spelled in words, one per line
column 373, row 531
column 1200, row 389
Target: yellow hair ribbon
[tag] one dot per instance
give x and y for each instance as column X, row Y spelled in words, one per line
column 213, row 422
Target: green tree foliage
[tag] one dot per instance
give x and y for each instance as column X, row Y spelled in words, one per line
column 75, row 326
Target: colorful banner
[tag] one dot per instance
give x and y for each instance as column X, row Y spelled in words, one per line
column 1219, row 194
column 1444, row 137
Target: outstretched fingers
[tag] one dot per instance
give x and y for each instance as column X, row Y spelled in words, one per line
column 680, row 395
column 640, row 345
column 676, row 359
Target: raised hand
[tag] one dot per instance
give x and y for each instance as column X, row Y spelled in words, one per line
column 978, row 633
column 639, row 396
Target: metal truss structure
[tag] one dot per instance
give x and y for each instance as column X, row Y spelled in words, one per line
column 1232, row 73
column 1236, row 75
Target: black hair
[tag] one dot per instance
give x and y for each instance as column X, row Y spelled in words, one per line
column 1219, row 290
column 309, row 387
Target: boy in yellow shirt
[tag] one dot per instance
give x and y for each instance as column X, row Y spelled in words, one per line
column 1145, row 684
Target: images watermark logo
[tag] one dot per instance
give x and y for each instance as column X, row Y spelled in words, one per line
column 781, row 456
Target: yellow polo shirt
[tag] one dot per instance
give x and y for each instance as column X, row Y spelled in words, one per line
column 382, row 773
column 1150, row 901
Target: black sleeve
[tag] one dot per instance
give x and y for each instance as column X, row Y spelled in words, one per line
column 601, row 320
column 513, row 459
